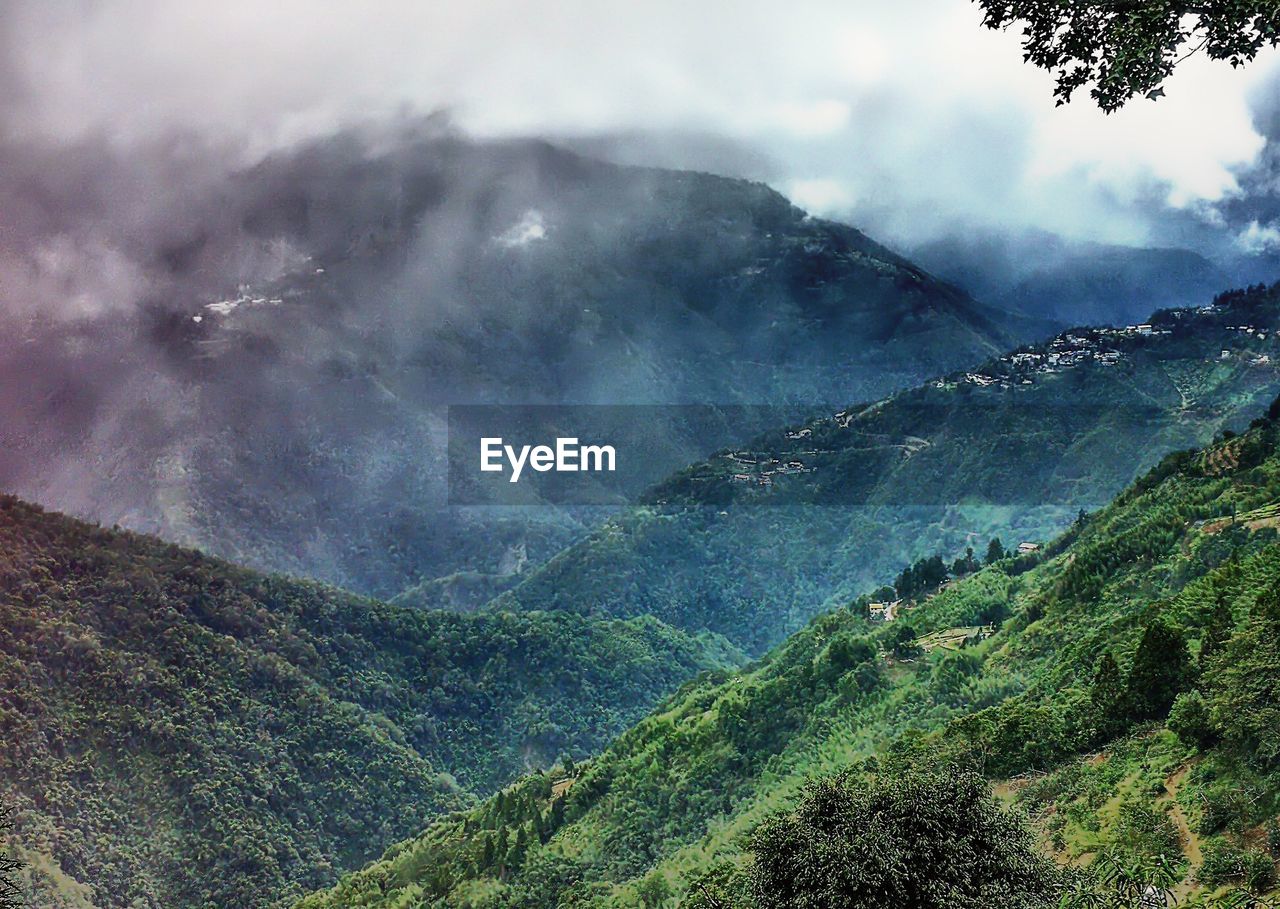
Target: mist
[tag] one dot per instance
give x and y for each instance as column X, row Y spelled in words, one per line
column 918, row 125
column 248, row 254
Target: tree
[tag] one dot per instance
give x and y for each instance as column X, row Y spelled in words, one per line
column 1190, row 721
column 1107, row 693
column 966, row 564
column 10, row 888
column 902, row 641
column 1123, row 48
column 995, row 551
column 653, row 890
column 1217, row 631
column 922, row 840
column 1244, row 686
column 1161, row 669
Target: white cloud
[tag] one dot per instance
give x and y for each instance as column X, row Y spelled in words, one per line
column 909, row 106
column 822, row 197
column 1259, row 238
column 529, row 229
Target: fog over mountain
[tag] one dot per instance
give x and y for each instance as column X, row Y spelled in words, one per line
column 851, row 298
column 248, row 255
column 919, row 129
column 259, row 361
column 847, row 107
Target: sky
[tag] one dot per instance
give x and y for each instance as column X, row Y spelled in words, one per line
column 907, row 115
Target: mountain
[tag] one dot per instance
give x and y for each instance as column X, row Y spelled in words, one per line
column 277, row 389
column 755, row 541
column 1076, row 283
column 1119, row 684
column 178, row 731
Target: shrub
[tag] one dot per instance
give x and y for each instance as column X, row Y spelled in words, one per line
column 920, row 840
column 1189, row 720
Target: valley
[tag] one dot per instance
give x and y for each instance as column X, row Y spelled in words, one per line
column 183, row 732
column 1117, row 702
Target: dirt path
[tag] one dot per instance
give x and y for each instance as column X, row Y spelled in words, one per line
column 1190, row 841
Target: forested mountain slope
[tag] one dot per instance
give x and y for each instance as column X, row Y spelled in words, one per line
column 756, row 540
column 179, row 732
column 278, row 396
column 1127, row 684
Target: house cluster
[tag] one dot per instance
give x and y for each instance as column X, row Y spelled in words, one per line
column 1063, row 352
column 764, row 470
column 1250, row 330
column 880, row 613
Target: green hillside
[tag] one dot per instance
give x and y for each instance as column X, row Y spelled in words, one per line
column 179, row 732
column 1126, row 699
column 755, row 541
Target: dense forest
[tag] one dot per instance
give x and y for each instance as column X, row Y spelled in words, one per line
column 1124, row 706
column 181, row 732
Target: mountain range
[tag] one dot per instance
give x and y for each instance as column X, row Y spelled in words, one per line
column 182, row 732
column 547, row 707
column 398, row 714
column 278, row 394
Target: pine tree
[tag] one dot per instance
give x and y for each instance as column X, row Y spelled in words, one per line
column 1217, row 631
column 1161, row 669
column 1109, row 697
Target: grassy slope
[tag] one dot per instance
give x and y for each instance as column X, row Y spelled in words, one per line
column 929, row 470
column 181, row 732
column 680, row 792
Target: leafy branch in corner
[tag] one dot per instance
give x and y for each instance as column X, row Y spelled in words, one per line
column 1123, row 49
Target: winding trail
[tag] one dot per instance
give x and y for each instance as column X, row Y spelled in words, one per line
column 1191, row 843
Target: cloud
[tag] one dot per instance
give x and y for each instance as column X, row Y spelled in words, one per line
column 820, row 195
column 913, row 119
column 1259, row 238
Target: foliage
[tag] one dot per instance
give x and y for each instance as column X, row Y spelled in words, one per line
column 1013, row 448
column 1244, row 684
column 904, row 840
column 1063, row 701
column 1128, row 48
column 1161, row 669
column 10, row 886
column 1190, row 720
column 180, row 732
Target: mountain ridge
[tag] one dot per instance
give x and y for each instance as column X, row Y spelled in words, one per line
column 183, row 732
column 279, row 397
column 757, row 539
column 1125, row 686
